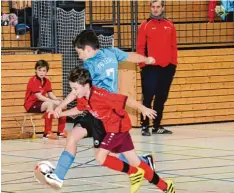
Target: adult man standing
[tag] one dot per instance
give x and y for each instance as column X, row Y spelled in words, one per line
column 157, row 39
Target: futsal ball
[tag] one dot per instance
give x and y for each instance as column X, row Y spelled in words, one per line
column 41, row 169
column 44, row 167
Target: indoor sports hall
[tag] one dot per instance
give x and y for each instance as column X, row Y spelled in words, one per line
column 193, row 144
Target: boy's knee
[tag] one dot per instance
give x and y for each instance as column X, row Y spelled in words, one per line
column 100, row 159
column 49, row 105
column 71, row 143
column 78, row 133
column 71, row 139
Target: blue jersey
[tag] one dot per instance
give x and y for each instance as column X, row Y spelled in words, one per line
column 228, row 5
column 103, row 68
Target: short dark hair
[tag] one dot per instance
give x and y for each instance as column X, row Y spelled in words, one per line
column 42, row 64
column 86, row 38
column 153, row 1
column 81, row 76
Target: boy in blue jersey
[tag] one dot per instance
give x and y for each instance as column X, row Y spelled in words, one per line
column 103, row 67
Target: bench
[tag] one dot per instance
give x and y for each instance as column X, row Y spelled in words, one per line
column 15, row 4
column 16, row 71
column 22, row 124
column 9, row 38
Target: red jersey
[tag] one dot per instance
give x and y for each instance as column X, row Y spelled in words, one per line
column 157, row 39
column 108, row 107
column 35, row 86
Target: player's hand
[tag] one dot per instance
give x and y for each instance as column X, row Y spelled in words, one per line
column 57, row 102
column 147, row 112
column 150, row 60
column 50, row 114
column 57, row 112
column 61, row 100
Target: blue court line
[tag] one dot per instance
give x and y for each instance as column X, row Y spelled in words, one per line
column 37, row 158
column 197, row 177
column 55, row 145
column 192, row 158
column 161, row 171
column 96, row 164
column 192, row 138
column 186, row 146
column 207, row 167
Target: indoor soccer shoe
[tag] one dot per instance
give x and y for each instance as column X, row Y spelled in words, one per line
column 41, row 169
column 50, row 135
column 150, row 161
column 62, row 135
column 136, row 180
column 161, row 130
column 145, row 131
column 53, row 181
column 170, row 187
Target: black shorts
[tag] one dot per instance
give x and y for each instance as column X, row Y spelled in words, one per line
column 94, row 127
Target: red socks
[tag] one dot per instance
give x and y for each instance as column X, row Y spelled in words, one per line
column 48, row 123
column 118, row 165
column 61, row 124
column 149, row 174
column 152, row 177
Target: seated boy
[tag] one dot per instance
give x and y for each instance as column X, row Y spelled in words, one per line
column 109, row 107
column 39, row 98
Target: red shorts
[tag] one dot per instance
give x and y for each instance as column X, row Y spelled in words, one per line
column 117, row 142
column 36, row 107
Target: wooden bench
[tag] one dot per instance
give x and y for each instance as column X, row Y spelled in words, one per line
column 5, row 7
column 8, row 35
column 9, row 39
column 20, row 4
column 16, row 71
column 22, row 124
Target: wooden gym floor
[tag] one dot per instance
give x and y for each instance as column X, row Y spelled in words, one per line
column 199, row 158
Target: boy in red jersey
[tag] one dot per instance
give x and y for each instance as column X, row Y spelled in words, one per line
column 40, row 98
column 109, row 107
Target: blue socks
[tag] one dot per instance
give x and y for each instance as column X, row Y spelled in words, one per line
column 65, row 161
column 122, row 158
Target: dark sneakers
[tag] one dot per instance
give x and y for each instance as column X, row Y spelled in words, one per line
column 161, row 130
column 145, row 131
column 150, row 161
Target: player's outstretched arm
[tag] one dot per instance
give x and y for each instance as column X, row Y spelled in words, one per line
column 70, row 112
column 58, row 110
column 144, row 110
column 137, row 58
column 53, row 96
column 42, row 98
column 70, row 97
